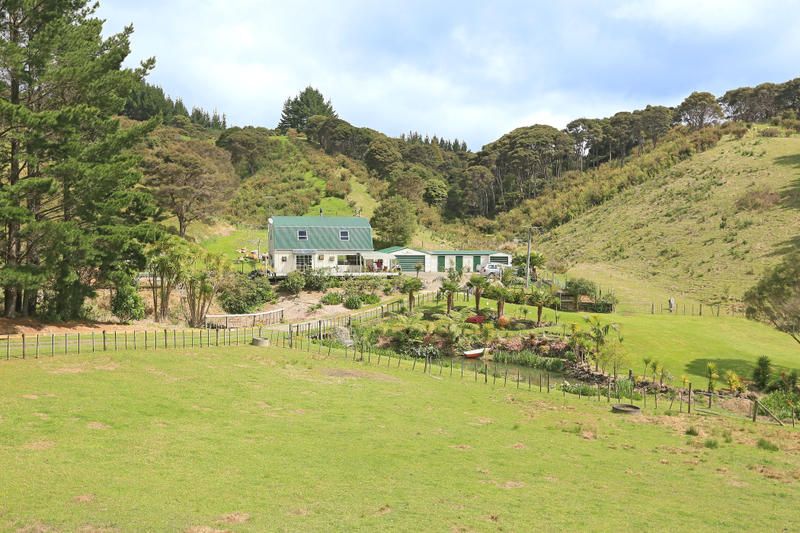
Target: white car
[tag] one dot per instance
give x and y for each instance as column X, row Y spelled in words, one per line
column 493, row 270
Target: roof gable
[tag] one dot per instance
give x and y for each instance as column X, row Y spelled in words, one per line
column 322, row 233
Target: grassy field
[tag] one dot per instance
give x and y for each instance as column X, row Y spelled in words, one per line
column 247, row 439
column 230, row 240
column 706, row 229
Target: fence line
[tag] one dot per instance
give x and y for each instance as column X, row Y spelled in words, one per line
column 43, row 345
column 266, row 318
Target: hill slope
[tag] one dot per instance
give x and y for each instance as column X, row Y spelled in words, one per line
column 706, row 228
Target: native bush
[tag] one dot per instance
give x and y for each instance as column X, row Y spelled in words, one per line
column 293, row 283
column 126, row 304
column 781, row 403
column 353, row 301
column 245, row 295
column 331, row 298
column 763, row 372
column 530, row 359
column 316, row 280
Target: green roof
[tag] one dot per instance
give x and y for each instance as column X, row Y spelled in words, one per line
column 393, row 249
column 323, row 233
column 465, row 252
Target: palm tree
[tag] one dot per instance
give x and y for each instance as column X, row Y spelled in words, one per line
column 410, row 286
column 499, row 293
column 598, row 332
column 654, row 366
column 540, row 297
column 478, row 284
column 449, row 288
column 646, row 366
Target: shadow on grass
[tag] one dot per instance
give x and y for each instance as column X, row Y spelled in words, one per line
column 740, row 366
column 787, row 247
column 790, row 195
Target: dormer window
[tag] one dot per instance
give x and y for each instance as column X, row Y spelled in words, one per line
column 344, row 235
column 302, row 235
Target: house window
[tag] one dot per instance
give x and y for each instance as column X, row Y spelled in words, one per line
column 302, row 235
column 348, row 260
column 344, row 235
column 302, row 262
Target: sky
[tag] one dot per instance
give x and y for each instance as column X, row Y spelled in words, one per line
column 457, row 69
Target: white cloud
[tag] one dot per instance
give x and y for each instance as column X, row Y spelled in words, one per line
column 713, row 16
column 467, row 71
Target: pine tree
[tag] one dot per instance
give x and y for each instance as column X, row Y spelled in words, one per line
column 68, row 203
column 297, row 110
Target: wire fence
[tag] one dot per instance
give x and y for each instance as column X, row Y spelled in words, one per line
column 308, row 340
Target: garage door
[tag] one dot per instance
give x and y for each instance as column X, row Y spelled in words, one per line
column 502, row 259
column 408, row 263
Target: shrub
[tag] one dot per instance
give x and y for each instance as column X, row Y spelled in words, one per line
column 584, row 389
column 316, row 280
column 126, row 304
column 331, row 298
column 758, row 199
column 771, row 132
column 476, row 319
column 692, row 431
column 711, row 443
column 503, row 322
column 580, row 287
column 352, row 301
column 764, row 444
column 762, row 372
column 245, row 295
column 293, row 283
column 781, row 403
column 370, row 298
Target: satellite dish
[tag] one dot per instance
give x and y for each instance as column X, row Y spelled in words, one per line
column 269, row 220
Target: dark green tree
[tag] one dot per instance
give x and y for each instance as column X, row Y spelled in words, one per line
column 698, row 110
column 776, row 298
column 69, row 206
column 395, row 221
column 297, row 110
column 382, row 155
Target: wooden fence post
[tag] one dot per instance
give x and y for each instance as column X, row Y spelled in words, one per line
column 689, row 402
column 104, row 340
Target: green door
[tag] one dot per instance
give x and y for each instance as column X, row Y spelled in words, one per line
column 440, row 263
column 476, row 263
column 459, row 262
column 408, row 263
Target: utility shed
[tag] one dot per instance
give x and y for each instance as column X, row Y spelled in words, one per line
column 408, row 258
column 467, row 260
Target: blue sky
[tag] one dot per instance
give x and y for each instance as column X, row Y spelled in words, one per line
column 472, row 70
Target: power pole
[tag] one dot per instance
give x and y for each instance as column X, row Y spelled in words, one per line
column 528, row 261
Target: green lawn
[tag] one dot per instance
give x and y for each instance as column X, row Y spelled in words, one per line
column 229, row 242
column 247, row 439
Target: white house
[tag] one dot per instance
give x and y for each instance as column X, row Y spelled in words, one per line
column 339, row 245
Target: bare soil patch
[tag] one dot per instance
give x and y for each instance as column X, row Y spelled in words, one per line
column 84, row 498
column 97, row 425
column 356, row 374
column 39, row 445
column 235, row 518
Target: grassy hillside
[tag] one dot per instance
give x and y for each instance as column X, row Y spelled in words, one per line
column 706, row 229
column 248, row 439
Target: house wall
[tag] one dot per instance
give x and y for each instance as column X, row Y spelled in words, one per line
column 450, row 262
column 320, row 260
